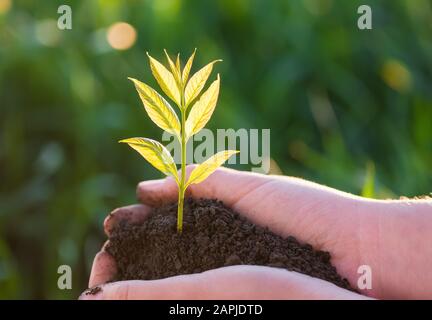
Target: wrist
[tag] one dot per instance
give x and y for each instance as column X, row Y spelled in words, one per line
column 397, row 247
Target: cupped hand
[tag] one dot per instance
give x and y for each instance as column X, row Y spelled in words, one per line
column 354, row 230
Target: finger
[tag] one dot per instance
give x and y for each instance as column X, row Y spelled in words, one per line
column 236, row 282
column 157, row 192
column 103, row 270
column 133, row 214
column 224, row 184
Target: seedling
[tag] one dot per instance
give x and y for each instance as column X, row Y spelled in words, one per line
column 185, row 93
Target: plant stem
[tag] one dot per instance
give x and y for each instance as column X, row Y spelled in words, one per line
column 180, row 211
column 183, row 167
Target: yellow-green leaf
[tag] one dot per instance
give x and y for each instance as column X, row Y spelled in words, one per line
column 174, row 69
column 202, row 171
column 158, row 109
column 202, row 110
column 178, row 63
column 155, row 153
column 165, row 79
column 187, row 67
column 197, row 82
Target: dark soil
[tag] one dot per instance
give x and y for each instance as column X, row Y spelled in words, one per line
column 213, row 236
column 93, row 291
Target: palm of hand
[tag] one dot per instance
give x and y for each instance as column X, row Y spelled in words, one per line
column 327, row 219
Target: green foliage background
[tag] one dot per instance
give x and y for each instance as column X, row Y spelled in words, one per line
column 347, row 108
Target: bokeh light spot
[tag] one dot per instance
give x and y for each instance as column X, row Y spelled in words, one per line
column 5, row 6
column 48, row 33
column 396, row 75
column 121, row 35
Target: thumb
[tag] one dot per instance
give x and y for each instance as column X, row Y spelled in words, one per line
column 225, row 184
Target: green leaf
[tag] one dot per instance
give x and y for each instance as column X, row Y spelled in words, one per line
column 187, row 68
column 158, row 109
column 202, row 110
column 178, row 63
column 155, row 153
column 203, row 170
column 165, row 79
column 175, row 69
column 197, row 82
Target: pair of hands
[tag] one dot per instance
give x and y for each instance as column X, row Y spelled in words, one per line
column 392, row 237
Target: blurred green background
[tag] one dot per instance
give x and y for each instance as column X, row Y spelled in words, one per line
column 347, row 108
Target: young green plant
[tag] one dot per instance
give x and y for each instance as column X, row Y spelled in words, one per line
column 185, row 93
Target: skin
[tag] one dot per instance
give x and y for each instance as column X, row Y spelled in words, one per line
column 393, row 237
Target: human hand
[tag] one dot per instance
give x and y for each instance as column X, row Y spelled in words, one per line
column 349, row 227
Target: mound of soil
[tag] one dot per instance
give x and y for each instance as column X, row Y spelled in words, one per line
column 213, row 236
